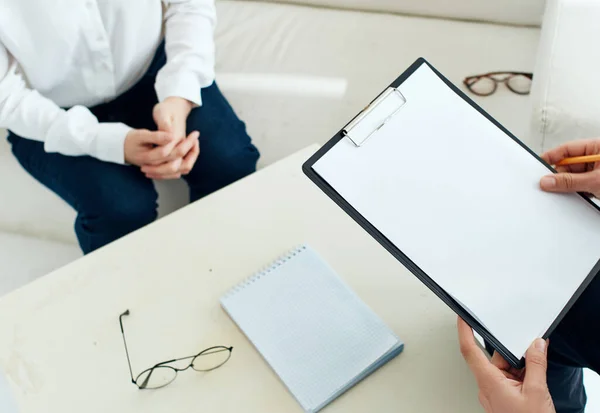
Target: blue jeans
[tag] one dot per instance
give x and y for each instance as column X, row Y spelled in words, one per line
column 574, row 345
column 113, row 200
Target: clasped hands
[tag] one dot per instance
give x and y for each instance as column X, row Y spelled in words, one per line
column 166, row 153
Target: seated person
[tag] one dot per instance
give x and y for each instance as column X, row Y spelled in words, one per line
column 553, row 377
column 98, row 105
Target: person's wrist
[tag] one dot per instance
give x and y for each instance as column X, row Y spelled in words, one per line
column 110, row 146
column 183, row 106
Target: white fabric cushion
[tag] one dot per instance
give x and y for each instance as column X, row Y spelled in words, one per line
column 26, row 207
column 296, row 75
column 522, row 12
column 24, row 259
column 566, row 90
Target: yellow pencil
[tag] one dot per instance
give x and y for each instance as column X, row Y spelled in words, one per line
column 579, row 159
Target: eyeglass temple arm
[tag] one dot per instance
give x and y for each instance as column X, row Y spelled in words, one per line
column 125, row 343
column 477, row 77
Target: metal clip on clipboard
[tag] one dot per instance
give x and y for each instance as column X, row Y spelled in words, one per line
column 374, row 116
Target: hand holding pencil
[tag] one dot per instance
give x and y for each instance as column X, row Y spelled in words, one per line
column 578, row 167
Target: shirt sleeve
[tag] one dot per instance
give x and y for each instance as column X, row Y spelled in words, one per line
column 73, row 132
column 190, row 48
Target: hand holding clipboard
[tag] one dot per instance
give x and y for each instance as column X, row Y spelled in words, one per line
column 578, row 164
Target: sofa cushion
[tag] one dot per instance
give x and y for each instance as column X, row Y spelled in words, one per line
column 565, row 96
column 521, row 12
column 26, row 207
column 18, row 267
column 297, row 74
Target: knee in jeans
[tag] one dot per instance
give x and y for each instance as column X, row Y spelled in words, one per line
column 128, row 213
column 240, row 164
column 110, row 219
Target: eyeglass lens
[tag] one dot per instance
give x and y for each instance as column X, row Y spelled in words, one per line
column 211, row 359
column 519, row 84
column 156, row 377
column 483, row 86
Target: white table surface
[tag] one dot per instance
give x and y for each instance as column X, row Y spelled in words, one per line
column 61, row 345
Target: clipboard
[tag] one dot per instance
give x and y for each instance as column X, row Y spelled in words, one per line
column 385, row 108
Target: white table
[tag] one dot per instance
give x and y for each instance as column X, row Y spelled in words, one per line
column 61, row 344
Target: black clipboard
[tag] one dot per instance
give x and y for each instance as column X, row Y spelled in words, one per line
column 397, row 253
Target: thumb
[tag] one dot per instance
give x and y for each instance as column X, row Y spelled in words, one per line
column 162, row 120
column 569, row 182
column 536, row 364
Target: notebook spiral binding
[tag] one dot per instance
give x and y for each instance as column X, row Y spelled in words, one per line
column 265, row 271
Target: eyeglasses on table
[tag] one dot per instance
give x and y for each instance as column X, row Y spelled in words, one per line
column 163, row 374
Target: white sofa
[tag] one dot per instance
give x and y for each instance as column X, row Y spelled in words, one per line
column 295, row 73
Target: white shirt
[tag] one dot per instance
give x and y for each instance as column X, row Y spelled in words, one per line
column 65, row 53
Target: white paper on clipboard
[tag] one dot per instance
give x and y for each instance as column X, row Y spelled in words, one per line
column 461, row 199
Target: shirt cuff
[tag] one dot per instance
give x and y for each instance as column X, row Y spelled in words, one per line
column 110, row 142
column 183, row 85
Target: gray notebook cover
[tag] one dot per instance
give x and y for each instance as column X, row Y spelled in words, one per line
column 312, row 329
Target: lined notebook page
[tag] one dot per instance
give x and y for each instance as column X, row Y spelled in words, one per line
column 315, row 333
column 461, row 199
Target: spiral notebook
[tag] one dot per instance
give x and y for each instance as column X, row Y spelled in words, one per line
column 312, row 329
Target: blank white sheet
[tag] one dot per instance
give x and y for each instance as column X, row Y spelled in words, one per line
column 461, row 199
